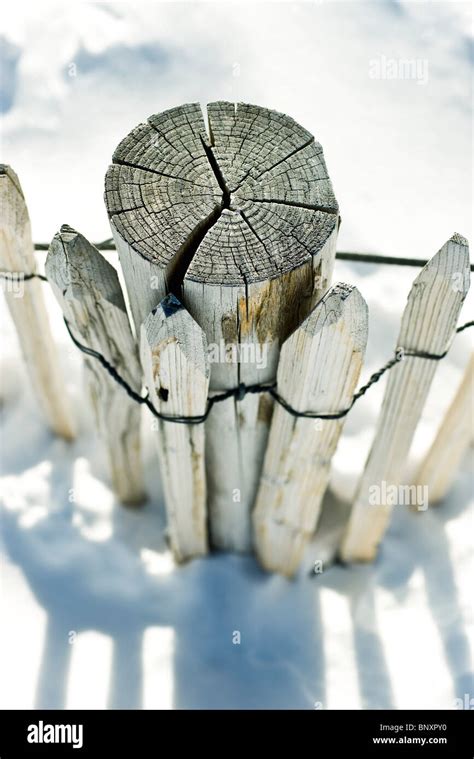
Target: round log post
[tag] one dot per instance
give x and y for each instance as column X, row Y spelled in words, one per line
column 238, row 219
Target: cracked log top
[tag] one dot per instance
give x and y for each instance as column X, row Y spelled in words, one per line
column 246, row 202
column 237, row 218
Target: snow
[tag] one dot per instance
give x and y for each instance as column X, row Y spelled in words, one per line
column 94, row 612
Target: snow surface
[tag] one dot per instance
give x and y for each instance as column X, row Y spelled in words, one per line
column 94, row 612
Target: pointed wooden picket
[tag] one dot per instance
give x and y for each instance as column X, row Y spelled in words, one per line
column 176, row 367
column 25, row 300
column 88, row 290
column 456, row 432
column 428, row 325
column 319, row 367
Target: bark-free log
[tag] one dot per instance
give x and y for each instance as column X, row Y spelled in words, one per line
column 318, row 370
column 25, row 301
column 174, row 360
column 428, row 325
column 88, row 290
column 240, row 222
column 456, row 432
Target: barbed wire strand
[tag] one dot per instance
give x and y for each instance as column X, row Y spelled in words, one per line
column 241, row 390
column 341, row 255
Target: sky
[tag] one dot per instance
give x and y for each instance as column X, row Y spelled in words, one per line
column 384, row 86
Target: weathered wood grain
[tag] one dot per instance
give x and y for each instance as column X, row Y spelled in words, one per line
column 89, row 293
column 238, row 219
column 175, row 362
column 428, row 325
column 456, row 432
column 26, row 304
column 318, row 370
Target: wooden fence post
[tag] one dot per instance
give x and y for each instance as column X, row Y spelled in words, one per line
column 174, row 359
column 428, row 324
column 319, row 367
column 455, row 434
column 88, row 290
column 26, row 304
column 241, row 225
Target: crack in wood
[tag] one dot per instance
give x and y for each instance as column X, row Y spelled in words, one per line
column 286, row 157
column 294, row 204
column 130, row 165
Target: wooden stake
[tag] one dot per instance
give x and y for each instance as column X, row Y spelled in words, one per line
column 428, row 324
column 89, row 293
column 319, row 367
column 441, row 465
column 240, row 224
column 174, row 359
column 25, row 301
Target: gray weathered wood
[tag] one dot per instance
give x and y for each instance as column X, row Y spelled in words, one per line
column 174, row 359
column 89, row 293
column 441, row 464
column 318, row 370
column 240, row 222
column 25, row 301
column 428, row 324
